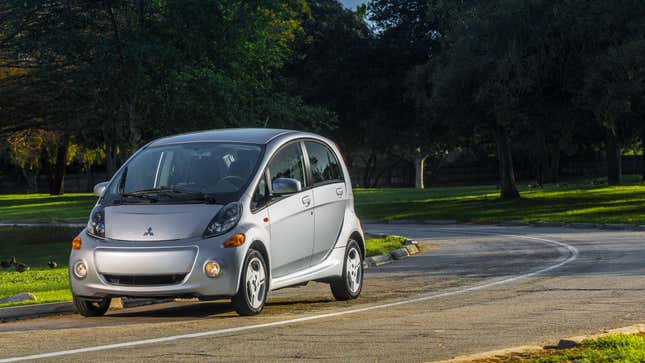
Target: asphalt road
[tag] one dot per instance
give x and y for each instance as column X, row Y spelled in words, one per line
column 479, row 288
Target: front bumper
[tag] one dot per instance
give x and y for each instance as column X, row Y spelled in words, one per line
column 139, row 269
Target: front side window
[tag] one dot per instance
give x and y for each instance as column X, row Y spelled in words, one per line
column 288, row 163
column 324, row 165
column 193, row 172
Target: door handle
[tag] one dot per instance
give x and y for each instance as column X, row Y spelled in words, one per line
column 306, row 201
column 340, row 192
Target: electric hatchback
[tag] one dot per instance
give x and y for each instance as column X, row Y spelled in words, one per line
column 219, row 214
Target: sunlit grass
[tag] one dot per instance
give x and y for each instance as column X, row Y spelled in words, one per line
column 379, row 246
column 46, row 285
column 45, row 208
column 579, row 202
column 614, row 348
column 35, row 246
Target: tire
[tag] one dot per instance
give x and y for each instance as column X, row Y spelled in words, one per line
column 350, row 284
column 254, row 285
column 89, row 308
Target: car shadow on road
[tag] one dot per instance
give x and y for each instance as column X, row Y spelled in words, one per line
column 221, row 309
column 185, row 310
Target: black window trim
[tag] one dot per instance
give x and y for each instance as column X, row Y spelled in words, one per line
column 265, row 175
column 333, row 154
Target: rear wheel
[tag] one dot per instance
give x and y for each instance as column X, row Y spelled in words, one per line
column 350, row 284
column 89, row 308
column 252, row 294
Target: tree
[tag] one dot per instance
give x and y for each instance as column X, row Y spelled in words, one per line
column 120, row 73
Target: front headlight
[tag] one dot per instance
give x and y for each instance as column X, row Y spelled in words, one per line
column 96, row 224
column 224, row 220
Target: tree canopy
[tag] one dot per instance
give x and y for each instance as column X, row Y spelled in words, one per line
column 395, row 82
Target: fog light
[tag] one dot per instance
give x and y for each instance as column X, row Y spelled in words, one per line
column 211, row 268
column 80, row 269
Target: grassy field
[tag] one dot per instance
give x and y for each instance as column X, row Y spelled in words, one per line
column 573, row 202
column 45, row 208
column 615, row 348
column 580, row 202
column 35, row 246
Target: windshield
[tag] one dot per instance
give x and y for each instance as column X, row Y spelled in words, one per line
column 192, row 172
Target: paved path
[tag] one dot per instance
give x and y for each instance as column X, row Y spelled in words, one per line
column 479, row 288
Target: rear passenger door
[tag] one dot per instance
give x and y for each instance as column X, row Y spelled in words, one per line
column 330, row 197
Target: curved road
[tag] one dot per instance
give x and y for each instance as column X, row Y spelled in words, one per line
column 479, row 288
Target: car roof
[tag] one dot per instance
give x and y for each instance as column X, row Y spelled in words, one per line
column 250, row 135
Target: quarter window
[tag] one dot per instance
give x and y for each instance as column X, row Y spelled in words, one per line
column 324, row 165
column 261, row 195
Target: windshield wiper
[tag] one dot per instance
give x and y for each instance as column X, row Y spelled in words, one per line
column 173, row 194
column 139, row 195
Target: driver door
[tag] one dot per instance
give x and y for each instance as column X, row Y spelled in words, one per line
column 291, row 216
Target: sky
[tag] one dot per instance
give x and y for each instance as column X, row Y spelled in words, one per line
column 352, row 3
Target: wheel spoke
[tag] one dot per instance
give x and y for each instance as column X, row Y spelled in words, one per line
column 353, row 270
column 256, row 280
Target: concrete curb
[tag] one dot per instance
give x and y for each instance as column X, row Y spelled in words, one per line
column 36, row 310
column 564, row 343
column 410, row 247
column 378, row 260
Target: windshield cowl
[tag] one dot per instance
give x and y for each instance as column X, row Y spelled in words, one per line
column 167, row 195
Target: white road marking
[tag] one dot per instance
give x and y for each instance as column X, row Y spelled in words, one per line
column 572, row 255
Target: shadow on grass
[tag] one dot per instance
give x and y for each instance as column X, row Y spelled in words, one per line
column 592, row 205
column 43, row 207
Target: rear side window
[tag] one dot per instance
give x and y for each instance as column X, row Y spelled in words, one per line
column 325, row 167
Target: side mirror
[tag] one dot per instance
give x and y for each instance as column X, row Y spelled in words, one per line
column 285, row 186
column 99, row 189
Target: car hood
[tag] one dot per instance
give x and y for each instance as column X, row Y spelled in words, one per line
column 155, row 222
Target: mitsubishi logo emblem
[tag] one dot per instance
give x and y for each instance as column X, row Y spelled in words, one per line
column 149, row 232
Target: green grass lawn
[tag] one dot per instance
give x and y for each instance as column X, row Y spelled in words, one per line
column 45, row 208
column 579, row 202
column 35, row 246
column 575, row 202
column 614, row 348
column 379, row 246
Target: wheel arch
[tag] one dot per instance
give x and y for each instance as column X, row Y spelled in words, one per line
column 260, row 247
column 356, row 236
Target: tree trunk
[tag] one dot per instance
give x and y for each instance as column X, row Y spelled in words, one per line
column 57, row 181
column 31, row 179
column 554, row 167
column 643, row 157
column 110, row 159
column 614, row 162
column 508, row 184
column 419, row 168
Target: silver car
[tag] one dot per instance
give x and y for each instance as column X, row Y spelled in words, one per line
column 218, row 214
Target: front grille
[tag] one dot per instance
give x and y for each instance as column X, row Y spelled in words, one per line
column 144, row 280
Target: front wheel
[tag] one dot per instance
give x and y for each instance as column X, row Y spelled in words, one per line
column 350, row 284
column 89, row 308
column 252, row 294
